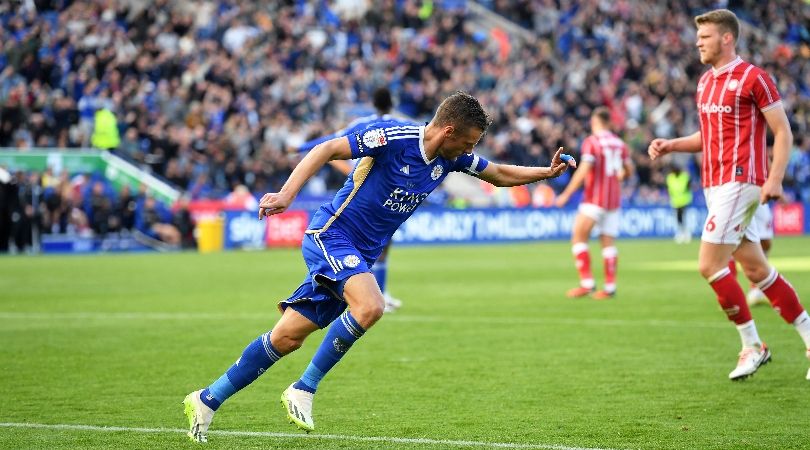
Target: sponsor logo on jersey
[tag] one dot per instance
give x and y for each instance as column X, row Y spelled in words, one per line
column 733, row 85
column 711, row 108
column 436, row 172
column 701, row 86
column 374, row 138
column 351, row 261
column 404, row 201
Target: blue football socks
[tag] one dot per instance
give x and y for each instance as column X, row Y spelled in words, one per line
column 258, row 356
column 343, row 332
column 380, row 271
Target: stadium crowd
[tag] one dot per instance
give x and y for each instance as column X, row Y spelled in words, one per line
column 218, row 93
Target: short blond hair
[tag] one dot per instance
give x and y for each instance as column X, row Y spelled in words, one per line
column 725, row 20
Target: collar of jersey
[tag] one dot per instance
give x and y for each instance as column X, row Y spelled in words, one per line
column 422, row 147
column 727, row 67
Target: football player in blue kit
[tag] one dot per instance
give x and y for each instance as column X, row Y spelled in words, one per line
column 383, row 103
column 399, row 166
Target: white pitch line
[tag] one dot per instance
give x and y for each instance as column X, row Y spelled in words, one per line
column 655, row 323
column 332, row 437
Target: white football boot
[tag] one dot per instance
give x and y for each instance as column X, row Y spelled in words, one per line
column 298, row 404
column 751, row 358
column 199, row 417
column 391, row 304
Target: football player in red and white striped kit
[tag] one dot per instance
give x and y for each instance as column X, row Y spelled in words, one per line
column 604, row 164
column 736, row 102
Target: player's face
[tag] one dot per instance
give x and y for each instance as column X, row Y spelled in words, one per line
column 709, row 43
column 459, row 141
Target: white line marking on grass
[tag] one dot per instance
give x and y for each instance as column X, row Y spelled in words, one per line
column 64, row 316
column 332, row 437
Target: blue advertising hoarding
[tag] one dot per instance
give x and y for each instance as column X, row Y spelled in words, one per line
column 444, row 226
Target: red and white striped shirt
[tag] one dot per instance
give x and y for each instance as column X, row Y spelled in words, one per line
column 607, row 154
column 730, row 103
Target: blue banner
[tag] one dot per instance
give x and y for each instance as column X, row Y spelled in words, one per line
column 431, row 225
column 63, row 243
column 244, row 230
column 442, row 226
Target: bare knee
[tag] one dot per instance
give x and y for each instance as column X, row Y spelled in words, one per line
column 707, row 269
column 286, row 342
column 756, row 273
column 368, row 313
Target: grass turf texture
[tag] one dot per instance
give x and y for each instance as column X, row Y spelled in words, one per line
column 486, row 349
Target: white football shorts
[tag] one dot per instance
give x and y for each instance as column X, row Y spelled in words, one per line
column 607, row 221
column 764, row 221
column 731, row 212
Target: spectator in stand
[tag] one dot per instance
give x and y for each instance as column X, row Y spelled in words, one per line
column 99, row 209
column 8, row 200
column 125, row 209
column 156, row 222
column 182, row 221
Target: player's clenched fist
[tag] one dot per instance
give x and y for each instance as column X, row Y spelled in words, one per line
column 658, row 147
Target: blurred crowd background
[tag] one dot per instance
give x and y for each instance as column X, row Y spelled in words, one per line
column 215, row 96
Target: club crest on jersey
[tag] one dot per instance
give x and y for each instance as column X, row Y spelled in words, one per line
column 351, row 261
column 436, row 172
column 374, row 138
column 733, row 85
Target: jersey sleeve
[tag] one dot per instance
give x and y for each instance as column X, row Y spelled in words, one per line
column 766, row 96
column 588, row 150
column 471, row 164
column 368, row 142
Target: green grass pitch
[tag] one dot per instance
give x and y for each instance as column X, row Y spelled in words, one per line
column 486, row 352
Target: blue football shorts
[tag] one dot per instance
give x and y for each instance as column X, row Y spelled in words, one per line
column 331, row 259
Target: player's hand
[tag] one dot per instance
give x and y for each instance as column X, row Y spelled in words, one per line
column 659, row 147
column 771, row 190
column 558, row 164
column 273, row 203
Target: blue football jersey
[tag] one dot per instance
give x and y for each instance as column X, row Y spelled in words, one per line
column 392, row 178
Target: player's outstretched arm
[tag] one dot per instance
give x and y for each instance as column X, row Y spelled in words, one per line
column 278, row 202
column 507, row 175
column 689, row 144
column 782, row 141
